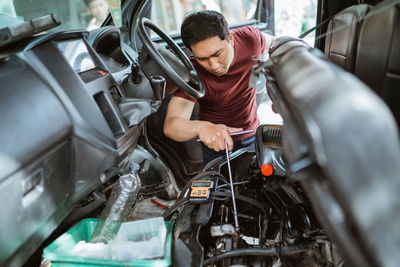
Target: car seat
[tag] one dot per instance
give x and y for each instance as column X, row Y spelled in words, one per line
column 342, row 35
column 378, row 53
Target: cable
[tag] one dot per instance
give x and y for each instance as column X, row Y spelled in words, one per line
column 237, row 183
column 198, row 176
column 223, row 180
column 242, row 252
column 256, row 252
column 217, row 196
column 167, row 214
column 182, row 200
column 224, row 190
column 220, row 199
column 224, row 198
column 243, row 198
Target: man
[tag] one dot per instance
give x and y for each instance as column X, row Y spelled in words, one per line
column 99, row 10
column 224, row 61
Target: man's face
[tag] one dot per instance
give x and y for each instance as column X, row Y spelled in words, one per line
column 214, row 54
column 98, row 9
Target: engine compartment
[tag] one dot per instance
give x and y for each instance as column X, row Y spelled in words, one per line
column 277, row 226
column 315, row 209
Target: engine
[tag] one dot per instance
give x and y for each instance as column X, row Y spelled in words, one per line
column 265, row 220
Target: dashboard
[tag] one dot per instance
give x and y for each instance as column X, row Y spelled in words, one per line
column 65, row 132
column 77, row 55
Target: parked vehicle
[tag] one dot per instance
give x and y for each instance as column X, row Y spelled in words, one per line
column 79, row 106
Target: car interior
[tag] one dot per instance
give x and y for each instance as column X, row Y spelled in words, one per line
column 80, row 108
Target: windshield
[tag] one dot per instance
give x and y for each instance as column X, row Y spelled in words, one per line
column 169, row 14
column 73, row 14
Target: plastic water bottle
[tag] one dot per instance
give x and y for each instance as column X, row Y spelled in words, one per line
column 122, row 198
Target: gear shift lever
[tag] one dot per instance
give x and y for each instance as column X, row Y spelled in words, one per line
column 158, row 85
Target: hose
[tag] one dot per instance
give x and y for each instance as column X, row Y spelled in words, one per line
column 256, row 252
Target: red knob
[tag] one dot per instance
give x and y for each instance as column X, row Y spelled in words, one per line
column 267, row 169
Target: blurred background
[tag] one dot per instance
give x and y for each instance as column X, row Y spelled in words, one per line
column 292, row 17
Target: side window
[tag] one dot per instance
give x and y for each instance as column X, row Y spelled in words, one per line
column 79, row 14
column 293, row 17
column 169, row 14
column 97, row 11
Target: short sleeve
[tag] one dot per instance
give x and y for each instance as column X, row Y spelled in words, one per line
column 259, row 38
column 180, row 93
column 254, row 39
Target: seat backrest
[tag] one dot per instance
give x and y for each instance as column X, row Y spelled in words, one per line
column 342, row 36
column 378, row 53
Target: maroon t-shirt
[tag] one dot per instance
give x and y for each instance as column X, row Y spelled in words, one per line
column 228, row 98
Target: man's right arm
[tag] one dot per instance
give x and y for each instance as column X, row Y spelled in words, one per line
column 179, row 127
column 177, row 124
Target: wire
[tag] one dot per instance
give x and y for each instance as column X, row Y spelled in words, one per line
column 242, row 252
column 243, row 198
column 201, row 175
column 223, row 180
column 222, row 196
column 237, row 183
column 220, row 199
column 225, row 190
column 167, row 214
column 207, row 178
column 182, row 200
column 256, row 252
column 228, row 191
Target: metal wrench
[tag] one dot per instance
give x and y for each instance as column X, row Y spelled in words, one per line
column 232, row 189
column 235, row 214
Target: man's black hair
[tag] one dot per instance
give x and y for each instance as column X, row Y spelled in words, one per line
column 201, row 25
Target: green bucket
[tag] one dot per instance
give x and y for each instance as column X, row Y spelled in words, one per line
column 59, row 254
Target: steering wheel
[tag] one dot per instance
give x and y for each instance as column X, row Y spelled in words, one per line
column 162, row 63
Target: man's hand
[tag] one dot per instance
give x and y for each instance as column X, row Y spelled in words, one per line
column 214, row 135
column 179, row 127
